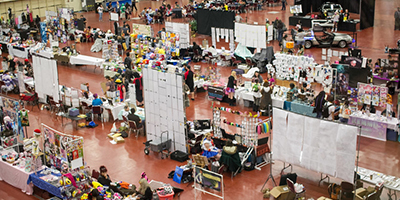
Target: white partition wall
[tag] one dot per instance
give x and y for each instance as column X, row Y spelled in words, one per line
column 251, row 35
column 46, row 77
column 318, row 145
column 163, row 98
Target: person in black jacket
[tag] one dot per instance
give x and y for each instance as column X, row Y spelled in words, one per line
column 189, row 79
column 128, row 61
column 230, row 88
column 319, row 103
column 105, row 180
column 138, row 88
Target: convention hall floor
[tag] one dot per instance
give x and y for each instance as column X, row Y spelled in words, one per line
column 127, row 161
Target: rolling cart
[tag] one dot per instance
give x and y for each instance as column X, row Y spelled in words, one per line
column 159, row 145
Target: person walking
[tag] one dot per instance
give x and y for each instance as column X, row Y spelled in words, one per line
column 397, row 19
column 284, row 5
column 100, row 11
column 134, row 5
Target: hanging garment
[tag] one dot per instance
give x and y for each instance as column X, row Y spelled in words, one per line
column 23, row 115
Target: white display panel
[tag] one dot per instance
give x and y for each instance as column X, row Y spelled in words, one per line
column 46, row 77
column 162, row 107
column 323, row 146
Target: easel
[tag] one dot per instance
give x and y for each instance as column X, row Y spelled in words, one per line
column 270, row 176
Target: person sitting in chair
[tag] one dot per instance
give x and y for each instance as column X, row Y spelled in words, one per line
column 209, row 150
column 133, row 117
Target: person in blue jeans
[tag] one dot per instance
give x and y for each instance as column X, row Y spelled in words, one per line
column 100, row 11
column 283, row 4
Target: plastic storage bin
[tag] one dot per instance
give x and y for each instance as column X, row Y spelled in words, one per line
column 391, row 135
column 165, row 197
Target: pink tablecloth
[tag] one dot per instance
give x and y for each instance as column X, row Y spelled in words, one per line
column 16, row 177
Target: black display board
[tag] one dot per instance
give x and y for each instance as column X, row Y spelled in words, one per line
column 213, row 18
column 367, row 14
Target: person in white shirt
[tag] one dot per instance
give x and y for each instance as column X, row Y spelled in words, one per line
column 238, row 18
column 100, row 11
column 331, row 108
column 335, row 19
column 124, row 113
column 345, row 112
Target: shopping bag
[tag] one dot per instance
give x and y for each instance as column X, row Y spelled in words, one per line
column 114, row 128
column 178, row 175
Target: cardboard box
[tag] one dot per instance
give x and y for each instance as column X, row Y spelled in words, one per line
column 281, row 192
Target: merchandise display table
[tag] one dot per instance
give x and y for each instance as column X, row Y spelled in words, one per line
column 42, row 184
column 21, row 52
column 373, row 126
column 391, row 183
column 15, row 176
column 44, row 53
column 219, row 52
column 300, row 108
column 245, row 94
column 116, row 108
column 86, row 60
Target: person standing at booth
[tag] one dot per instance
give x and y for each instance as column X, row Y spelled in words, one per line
column 284, row 4
column 189, row 80
column 230, row 88
column 397, row 19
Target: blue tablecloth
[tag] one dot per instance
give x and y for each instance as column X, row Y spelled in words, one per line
column 299, row 108
column 38, row 182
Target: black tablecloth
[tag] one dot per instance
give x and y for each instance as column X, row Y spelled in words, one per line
column 177, row 12
column 347, row 26
column 305, row 21
column 214, row 18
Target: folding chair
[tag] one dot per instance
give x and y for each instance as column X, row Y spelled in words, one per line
column 292, row 190
column 134, row 128
column 97, row 110
column 84, row 106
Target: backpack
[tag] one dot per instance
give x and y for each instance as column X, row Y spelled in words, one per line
column 325, row 110
column 334, row 191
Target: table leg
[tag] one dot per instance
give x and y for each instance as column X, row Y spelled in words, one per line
column 391, row 194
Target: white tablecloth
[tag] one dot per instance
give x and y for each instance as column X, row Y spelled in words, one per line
column 46, row 54
column 17, row 52
column 86, row 60
column 200, row 83
column 16, row 177
column 116, row 108
column 29, row 81
column 390, row 182
column 391, row 123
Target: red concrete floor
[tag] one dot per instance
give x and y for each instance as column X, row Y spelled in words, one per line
column 126, row 161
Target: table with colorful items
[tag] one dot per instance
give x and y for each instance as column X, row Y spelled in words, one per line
column 16, row 173
column 19, row 50
column 46, row 179
column 112, row 68
column 246, row 94
column 374, row 126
